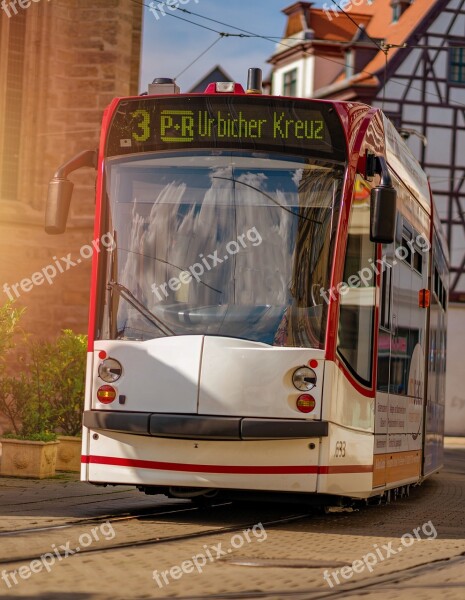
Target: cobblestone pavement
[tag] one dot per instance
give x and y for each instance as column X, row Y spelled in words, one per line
column 286, row 557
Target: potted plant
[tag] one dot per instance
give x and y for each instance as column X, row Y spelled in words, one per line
column 67, row 366
column 30, row 449
column 32, row 455
column 41, row 398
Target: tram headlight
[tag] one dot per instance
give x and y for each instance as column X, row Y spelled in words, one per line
column 110, row 370
column 304, row 379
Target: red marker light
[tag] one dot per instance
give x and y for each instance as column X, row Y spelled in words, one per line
column 224, row 87
column 305, row 403
column 102, row 354
column 313, row 363
column 106, row 394
column 424, row 297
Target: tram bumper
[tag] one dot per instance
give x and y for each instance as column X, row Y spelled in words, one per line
column 204, row 427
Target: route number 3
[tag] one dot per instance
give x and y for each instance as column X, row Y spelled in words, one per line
column 340, row 450
column 143, row 124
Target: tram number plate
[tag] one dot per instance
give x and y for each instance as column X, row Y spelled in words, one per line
column 340, row 450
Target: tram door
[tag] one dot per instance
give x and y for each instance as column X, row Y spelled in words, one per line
column 401, row 355
column 434, row 414
column 385, row 349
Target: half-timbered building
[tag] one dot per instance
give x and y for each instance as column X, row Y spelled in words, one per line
column 407, row 57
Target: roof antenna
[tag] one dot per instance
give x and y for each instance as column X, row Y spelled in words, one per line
column 254, row 81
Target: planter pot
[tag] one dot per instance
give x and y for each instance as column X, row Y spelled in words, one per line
column 69, row 454
column 22, row 458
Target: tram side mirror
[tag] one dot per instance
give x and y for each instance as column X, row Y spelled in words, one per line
column 383, row 212
column 60, row 191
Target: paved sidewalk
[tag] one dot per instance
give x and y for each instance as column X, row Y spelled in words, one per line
column 293, row 558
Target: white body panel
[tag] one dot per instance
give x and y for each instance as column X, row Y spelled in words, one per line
column 248, row 379
column 343, row 404
column 158, row 375
column 208, row 376
column 179, row 463
column 356, row 452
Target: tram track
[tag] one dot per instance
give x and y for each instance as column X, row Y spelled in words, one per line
column 24, row 559
column 112, row 518
column 379, row 583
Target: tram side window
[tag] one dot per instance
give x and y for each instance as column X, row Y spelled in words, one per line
column 408, row 320
column 411, row 253
column 418, row 260
column 406, row 249
column 440, row 290
column 356, row 316
column 386, row 287
column 385, row 324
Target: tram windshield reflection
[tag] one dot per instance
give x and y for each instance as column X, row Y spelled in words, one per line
column 221, row 243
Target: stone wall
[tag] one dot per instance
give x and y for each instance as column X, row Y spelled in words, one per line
column 78, row 55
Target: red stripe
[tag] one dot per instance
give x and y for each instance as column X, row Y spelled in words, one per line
column 242, row 469
column 346, row 469
column 99, row 195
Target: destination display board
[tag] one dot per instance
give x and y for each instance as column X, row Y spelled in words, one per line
column 228, row 122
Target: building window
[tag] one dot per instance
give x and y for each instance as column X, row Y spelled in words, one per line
column 290, row 83
column 457, row 65
column 398, row 8
column 9, row 164
column 396, row 13
column 349, row 58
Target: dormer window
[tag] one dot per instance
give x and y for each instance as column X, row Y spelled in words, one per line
column 398, row 8
column 290, row 83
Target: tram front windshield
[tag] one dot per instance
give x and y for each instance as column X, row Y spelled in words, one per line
column 220, row 243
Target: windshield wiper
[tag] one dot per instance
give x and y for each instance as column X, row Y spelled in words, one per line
column 141, row 308
column 252, row 187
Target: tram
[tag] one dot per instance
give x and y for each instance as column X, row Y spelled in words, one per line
column 270, row 317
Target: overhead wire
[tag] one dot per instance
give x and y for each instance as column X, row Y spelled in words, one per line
column 220, row 37
column 170, row 14
column 362, row 29
column 281, row 43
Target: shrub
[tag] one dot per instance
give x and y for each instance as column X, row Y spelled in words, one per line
column 45, row 394
column 66, row 372
column 9, row 326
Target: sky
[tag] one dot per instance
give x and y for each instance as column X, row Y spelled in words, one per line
column 169, row 45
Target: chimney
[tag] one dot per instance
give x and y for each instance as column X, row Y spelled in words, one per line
column 298, row 20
